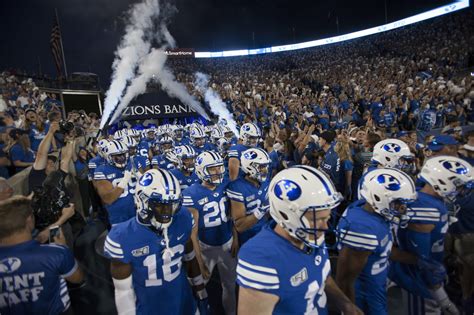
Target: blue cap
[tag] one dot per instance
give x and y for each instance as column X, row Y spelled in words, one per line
column 440, row 141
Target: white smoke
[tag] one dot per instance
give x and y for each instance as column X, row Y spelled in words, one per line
column 152, row 63
column 217, row 106
column 134, row 46
column 134, row 51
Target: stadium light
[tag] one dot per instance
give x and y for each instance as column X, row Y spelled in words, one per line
column 450, row 8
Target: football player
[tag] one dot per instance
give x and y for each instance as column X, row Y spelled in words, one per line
column 366, row 238
column 184, row 172
column 249, row 195
column 285, row 269
column 147, row 252
column 445, row 178
column 198, row 139
column 99, row 159
column 115, row 183
column 210, row 207
column 140, row 162
column 165, row 145
column 250, row 136
column 178, row 135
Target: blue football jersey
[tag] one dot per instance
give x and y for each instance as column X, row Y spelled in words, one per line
column 185, row 181
column 215, row 224
column 32, row 278
column 426, row 209
column 140, row 162
column 365, row 231
column 206, row 147
column 124, row 207
column 162, row 162
column 332, row 166
column 94, row 163
column 143, row 147
column 271, row 264
column 252, row 197
column 160, row 285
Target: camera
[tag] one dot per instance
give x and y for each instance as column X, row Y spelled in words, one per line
column 49, row 200
column 65, row 126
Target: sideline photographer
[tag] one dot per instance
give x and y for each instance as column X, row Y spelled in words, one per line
column 50, row 200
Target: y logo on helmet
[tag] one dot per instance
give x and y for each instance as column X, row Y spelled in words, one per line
column 146, row 179
column 392, row 147
column 250, row 155
column 9, row 265
column 389, row 182
column 287, row 190
column 246, row 128
column 455, row 167
column 199, row 160
column 178, row 150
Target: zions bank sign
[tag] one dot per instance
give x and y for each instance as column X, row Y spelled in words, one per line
column 157, row 105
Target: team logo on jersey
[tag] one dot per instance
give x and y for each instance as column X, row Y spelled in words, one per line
column 250, row 155
column 286, row 189
column 299, row 278
column 317, row 260
column 455, row 167
column 9, row 265
column 146, row 179
column 216, row 194
column 389, row 182
column 392, row 147
column 141, row 251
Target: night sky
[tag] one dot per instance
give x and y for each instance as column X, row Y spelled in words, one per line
column 92, row 29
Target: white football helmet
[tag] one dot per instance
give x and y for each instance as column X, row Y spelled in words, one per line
column 198, row 136
column 102, row 148
column 228, row 133
column 178, row 132
column 389, row 191
column 255, row 162
column 186, row 156
column 117, row 153
column 449, row 176
column 223, row 145
column 206, row 160
column 208, row 130
column 119, row 134
column 394, row 153
column 250, row 134
column 158, row 198
column 216, row 134
column 299, row 190
column 165, row 144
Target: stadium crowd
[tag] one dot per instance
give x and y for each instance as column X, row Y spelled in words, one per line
column 370, row 139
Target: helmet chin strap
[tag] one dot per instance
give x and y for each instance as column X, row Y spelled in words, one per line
column 163, row 228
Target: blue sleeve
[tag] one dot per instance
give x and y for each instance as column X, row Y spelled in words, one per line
column 233, row 193
column 418, row 243
column 348, row 165
column 357, row 236
column 99, row 173
column 256, row 272
column 188, row 199
column 113, row 247
column 68, row 264
column 17, row 153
